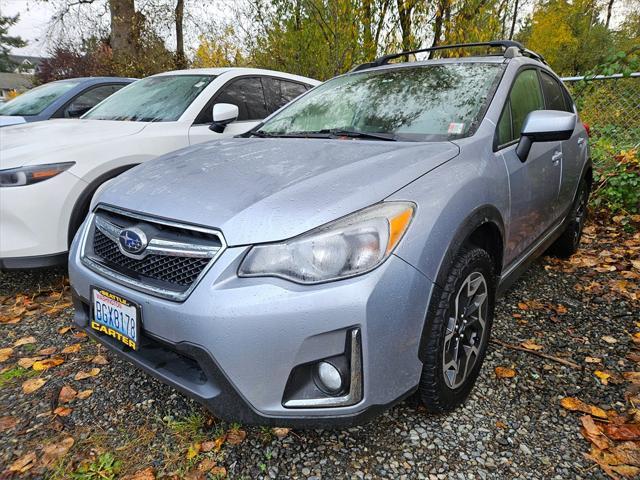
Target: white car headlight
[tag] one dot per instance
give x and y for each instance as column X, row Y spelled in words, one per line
column 349, row 246
column 18, row 177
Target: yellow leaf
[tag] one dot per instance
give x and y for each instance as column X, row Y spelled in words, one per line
column 603, row 376
column 47, row 351
column 33, row 384
column 24, row 341
column 63, row 330
column 530, row 345
column 48, row 363
column 194, row 450
column 24, row 463
column 5, row 353
column 87, row 374
column 75, row 348
column 99, row 360
column 576, row 405
column 505, row 372
column 280, row 432
column 84, row 394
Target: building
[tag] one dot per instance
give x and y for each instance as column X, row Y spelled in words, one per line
column 26, row 64
column 13, row 81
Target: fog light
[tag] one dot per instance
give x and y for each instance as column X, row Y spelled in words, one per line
column 329, row 378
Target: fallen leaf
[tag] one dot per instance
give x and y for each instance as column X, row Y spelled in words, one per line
column 24, row 463
column 523, row 306
column 609, row 339
column 54, row 451
column 236, row 436
column 218, row 472
column 33, row 384
column 505, row 372
column 27, row 362
column 501, row 424
column 193, row 450
column 592, row 360
column 66, row 394
column 206, row 465
column 627, row 452
column 24, row 341
column 7, row 423
column 280, row 432
column 603, row 376
column 63, row 411
column 75, row 348
column 63, row 330
column 633, row 377
column 99, row 360
column 80, row 335
column 530, row 345
column 47, row 351
column 626, row 471
column 592, row 432
column 5, row 353
column 47, row 363
column 576, row 405
column 214, row 445
column 625, row 431
column 84, row 394
column 145, row 474
column 87, row 374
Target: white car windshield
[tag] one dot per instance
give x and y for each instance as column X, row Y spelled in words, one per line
column 424, row 102
column 154, row 99
column 35, row 101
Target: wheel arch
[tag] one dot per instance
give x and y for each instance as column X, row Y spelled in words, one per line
column 483, row 228
column 83, row 201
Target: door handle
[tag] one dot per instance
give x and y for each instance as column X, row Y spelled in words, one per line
column 556, row 157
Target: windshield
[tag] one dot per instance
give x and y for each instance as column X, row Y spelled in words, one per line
column 153, row 99
column 35, row 101
column 435, row 102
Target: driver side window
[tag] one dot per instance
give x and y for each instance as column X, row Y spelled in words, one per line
column 525, row 97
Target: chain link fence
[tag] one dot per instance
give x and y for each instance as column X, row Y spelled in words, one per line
column 606, row 102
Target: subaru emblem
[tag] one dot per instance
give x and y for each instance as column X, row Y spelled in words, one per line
column 133, row 240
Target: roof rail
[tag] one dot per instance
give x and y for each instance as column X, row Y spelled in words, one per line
column 508, row 47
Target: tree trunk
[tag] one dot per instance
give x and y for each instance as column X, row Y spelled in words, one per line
column 437, row 24
column 124, row 31
column 405, row 8
column 367, row 22
column 513, row 20
column 181, row 61
column 609, row 9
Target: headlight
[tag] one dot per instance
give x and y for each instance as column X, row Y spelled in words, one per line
column 17, row 177
column 349, row 246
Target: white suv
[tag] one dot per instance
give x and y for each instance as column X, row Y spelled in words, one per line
column 50, row 170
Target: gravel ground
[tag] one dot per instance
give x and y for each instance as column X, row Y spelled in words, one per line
column 509, row 428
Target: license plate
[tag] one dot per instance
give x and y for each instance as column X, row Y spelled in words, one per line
column 115, row 316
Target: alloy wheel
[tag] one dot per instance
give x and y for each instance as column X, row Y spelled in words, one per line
column 466, row 330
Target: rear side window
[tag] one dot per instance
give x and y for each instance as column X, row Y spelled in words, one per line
column 87, row 100
column 553, row 94
column 280, row 92
column 525, row 97
column 248, row 95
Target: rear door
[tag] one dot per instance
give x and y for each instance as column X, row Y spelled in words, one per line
column 574, row 150
column 247, row 93
column 533, row 184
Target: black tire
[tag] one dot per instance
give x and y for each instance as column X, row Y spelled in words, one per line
column 438, row 391
column 567, row 244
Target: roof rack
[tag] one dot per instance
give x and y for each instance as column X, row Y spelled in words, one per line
column 510, row 49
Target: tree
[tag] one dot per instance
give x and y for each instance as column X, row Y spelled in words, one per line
column 7, row 41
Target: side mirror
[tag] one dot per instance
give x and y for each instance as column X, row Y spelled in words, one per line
column 544, row 126
column 223, row 115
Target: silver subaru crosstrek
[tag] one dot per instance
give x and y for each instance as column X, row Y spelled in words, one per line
column 348, row 251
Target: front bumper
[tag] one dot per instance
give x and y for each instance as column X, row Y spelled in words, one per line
column 233, row 343
column 34, row 221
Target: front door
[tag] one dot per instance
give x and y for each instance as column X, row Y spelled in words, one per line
column 245, row 92
column 535, row 183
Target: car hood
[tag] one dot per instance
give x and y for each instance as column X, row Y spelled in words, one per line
column 263, row 190
column 6, row 120
column 34, row 143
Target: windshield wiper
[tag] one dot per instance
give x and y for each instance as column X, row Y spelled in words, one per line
column 327, row 133
column 339, row 132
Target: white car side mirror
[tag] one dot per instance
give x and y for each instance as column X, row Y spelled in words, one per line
column 223, row 114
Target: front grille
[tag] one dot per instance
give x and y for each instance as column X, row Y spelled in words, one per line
column 175, row 258
column 179, row 271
